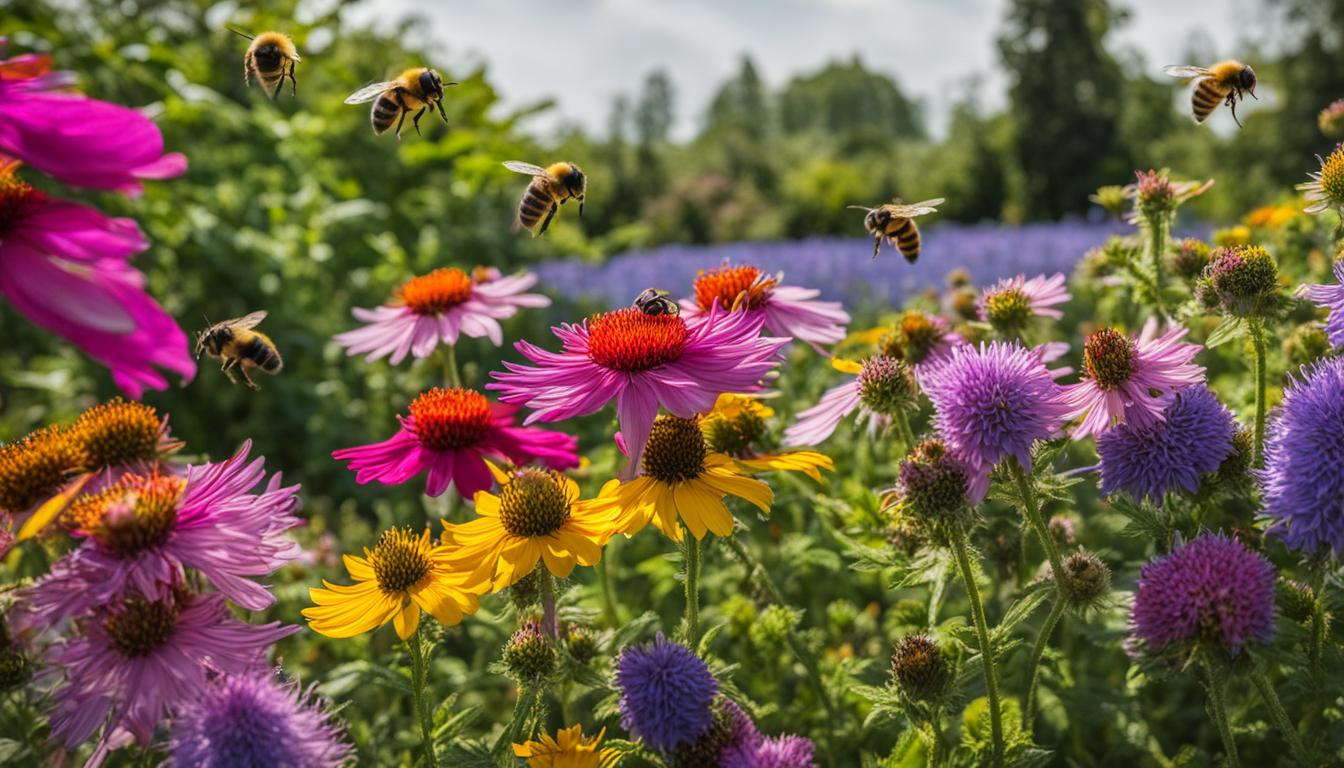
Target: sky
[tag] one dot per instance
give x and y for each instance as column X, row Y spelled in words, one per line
column 583, row 53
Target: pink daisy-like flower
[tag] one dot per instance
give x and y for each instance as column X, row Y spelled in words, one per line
column 142, row 531
column 79, row 141
column 1010, row 304
column 1121, row 375
column 881, row 386
column 1330, row 297
column 449, row 433
column 139, row 657
column 641, row 361
column 786, row 310
column 438, row 307
column 65, row 266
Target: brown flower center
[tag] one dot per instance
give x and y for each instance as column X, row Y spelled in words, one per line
column 533, row 503
column 139, row 626
column 400, row 560
column 1108, row 358
column 117, row 433
column 134, row 515
column 676, row 450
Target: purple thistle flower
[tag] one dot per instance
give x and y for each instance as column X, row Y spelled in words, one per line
column 666, row 693
column 1303, row 478
column 778, row 752
column 1211, row 588
column 138, row 658
column 1330, row 297
column 254, row 721
column 991, row 402
column 1194, row 438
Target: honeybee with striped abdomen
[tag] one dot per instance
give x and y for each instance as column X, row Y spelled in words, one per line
column 551, row 187
column 654, row 301
column 414, row 90
column 1224, row 82
column 238, row 346
column 895, row 221
column 270, row 58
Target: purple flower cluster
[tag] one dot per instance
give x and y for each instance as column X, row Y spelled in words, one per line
column 666, row 692
column 785, row 751
column 1330, row 297
column 1303, row 478
column 1193, row 438
column 1212, row 588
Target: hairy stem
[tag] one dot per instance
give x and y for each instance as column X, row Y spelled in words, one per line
column 1258, row 342
column 692, row 565
column 1037, row 653
column 419, row 673
column 1280, row 717
column 1157, row 227
column 522, row 712
column 1218, row 706
column 549, row 623
column 902, row 423
column 610, row 615
column 1032, row 513
column 958, row 536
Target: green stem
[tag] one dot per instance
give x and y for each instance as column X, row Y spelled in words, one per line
column 453, row 376
column 419, row 673
column 1258, row 342
column 1316, row 567
column 903, row 427
column 1280, row 717
column 1219, row 706
column 692, row 563
column 549, row 623
column 1037, row 653
column 610, row 615
column 1157, row 247
column 1033, row 515
column 958, row 536
column 522, row 711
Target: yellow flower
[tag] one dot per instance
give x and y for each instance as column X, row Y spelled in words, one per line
column 736, row 425
column 682, row 481
column 567, row 749
column 1232, row 236
column 1270, row 216
column 536, row 516
column 403, row 574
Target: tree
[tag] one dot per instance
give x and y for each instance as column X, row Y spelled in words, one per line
column 656, row 111
column 849, row 99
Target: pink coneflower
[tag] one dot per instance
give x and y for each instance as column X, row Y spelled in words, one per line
column 1155, row 194
column 641, row 361
column 881, row 386
column 64, row 266
column 80, row 141
column 787, row 310
column 1121, row 375
column 436, row 308
column 1010, row 304
column 449, row 433
column 137, row 658
column 142, row 531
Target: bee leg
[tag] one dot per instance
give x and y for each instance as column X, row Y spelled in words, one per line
column 400, row 103
column 580, row 207
column 547, row 222
column 400, row 120
column 877, row 245
column 415, row 121
column 247, row 379
column 224, row 368
column 293, row 84
column 1232, row 102
column 442, row 115
column 247, row 68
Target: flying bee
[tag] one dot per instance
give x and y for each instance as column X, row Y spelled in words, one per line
column 270, row 58
column 1226, row 81
column 551, row 187
column 238, row 346
column 414, row 90
column 654, row 301
column 896, row 222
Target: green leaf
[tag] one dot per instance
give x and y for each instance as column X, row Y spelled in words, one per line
column 1231, row 328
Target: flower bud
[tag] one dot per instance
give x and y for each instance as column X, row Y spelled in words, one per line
column 933, row 484
column 1064, row 529
column 887, row 385
column 580, row 643
column 918, row 668
column 730, row 726
column 1331, row 120
column 1245, row 279
column 1154, row 194
column 1296, row 601
column 965, row 303
column 15, row 670
column 958, row 277
column 529, row 655
column 772, row 628
column 1087, row 578
column 1190, row 258
column 526, row 592
column 1306, row 344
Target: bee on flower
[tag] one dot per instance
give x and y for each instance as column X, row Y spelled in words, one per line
column 787, row 310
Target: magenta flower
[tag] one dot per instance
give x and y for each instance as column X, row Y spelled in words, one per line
column 641, row 361
column 449, row 433
column 1330, row 297
column 138, row 658
column 79, row 141
column 1128, row 380
column 65, row 266
column 142, row 531
column 1010, row 303
column 786, row 310
column 437, row 308
column 882, row 387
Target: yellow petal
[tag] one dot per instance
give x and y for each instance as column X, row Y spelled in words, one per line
column 846, row 366
column 43, row 515
column 407, row 620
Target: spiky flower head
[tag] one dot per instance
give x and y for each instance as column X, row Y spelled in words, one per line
column 1193, row 438
column 1112, row 199
column 1245, row 279
column 1064, row 528
column 919, row 669
column 1326, row 188
column 665, row 693
column 887, row 385
column 1331, row 120
column 1190, row 258
column 33, row 468
column 1088, row 580
column 1295, row 600
column 958, row 277
column 1155, row 195
column 1303, row 478
column 916, row 337
column 932, row 484
column 784, row 751
column 580, row 642
column 529, row 655
column 731, row 727
column 1210, row 591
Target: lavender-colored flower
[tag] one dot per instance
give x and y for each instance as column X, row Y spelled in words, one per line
column 1303, row 478
column 785, row 751
column 1194, row 438
column 1121, row 374
column 991, row 402
column 1010, row 303
column 138, row 658
column 666, row 693
column 254, row 721
column 1212, row 588
column 1330, row 297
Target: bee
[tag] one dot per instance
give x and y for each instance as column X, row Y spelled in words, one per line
column 896, row 222
column 653, row 301
column 238, row 346
column 1226, row 81
column 413, row 90
column 551, row 187
column 270, row 58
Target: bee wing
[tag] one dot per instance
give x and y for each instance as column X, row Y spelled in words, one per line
column 858, row 207
column 915, row 209
column 247, row 321
column 240, row 33
column 1185, row 70
column 528, row 169
column 369, row 92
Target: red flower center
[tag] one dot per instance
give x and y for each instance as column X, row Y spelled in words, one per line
column 17, row 199
column 447, row 419
column 731, row 285
column 631, row 341
column 1108, row 358
column 436, row 292
column 135, row 514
